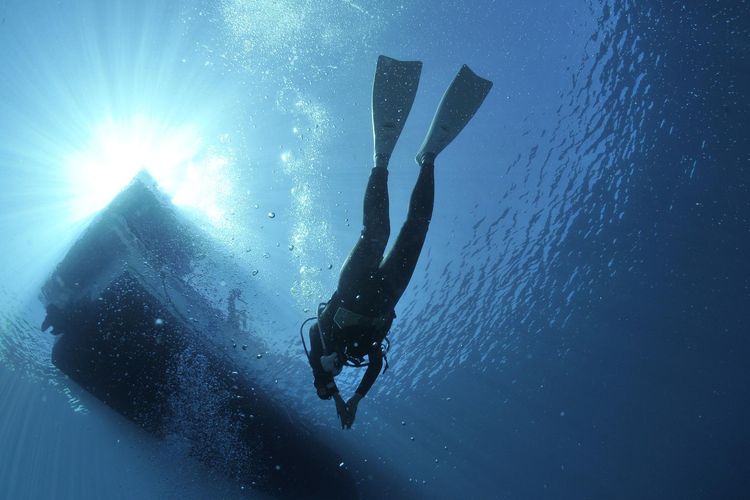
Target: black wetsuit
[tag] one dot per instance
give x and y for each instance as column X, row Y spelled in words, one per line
column 370, row 285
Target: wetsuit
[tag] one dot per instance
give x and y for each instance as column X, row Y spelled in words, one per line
column 357, row 318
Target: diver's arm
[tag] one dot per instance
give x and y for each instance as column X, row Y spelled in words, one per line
column 373, row 370
column 375, row 357
column 342, row 411
column 323, row 380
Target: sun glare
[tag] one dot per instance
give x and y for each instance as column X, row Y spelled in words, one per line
column 172, row 155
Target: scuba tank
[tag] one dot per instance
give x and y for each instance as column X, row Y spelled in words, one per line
column 334, row 361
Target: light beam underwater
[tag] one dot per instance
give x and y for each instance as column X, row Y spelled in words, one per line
column 176, row 157
column 97, row 95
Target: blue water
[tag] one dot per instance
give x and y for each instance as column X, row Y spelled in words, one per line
column 577, row 326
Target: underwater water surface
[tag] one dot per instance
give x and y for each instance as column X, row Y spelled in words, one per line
column 577, row 326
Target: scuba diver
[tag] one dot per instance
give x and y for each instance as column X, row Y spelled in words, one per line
column 355, row 322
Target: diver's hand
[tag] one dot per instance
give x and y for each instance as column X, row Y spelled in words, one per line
column 342, row 410
column 351, row 406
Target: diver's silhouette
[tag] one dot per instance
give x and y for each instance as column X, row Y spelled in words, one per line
column 354, row 323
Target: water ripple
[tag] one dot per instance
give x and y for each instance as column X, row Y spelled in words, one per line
column 517, row 275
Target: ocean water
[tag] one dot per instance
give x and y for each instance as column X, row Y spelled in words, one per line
column 577, row 326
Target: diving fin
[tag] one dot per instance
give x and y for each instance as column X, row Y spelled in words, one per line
column 458, row 105
column 393, row 94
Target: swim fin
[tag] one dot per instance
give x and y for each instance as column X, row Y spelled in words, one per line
column 458, row 105
column 393, row 94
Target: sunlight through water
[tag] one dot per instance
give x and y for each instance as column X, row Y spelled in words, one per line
column 118, row 151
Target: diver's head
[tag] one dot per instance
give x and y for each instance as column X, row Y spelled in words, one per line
column 332, row 363
column 323, row 392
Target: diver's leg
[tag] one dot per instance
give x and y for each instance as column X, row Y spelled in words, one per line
column 367, row 254
column 399, row 264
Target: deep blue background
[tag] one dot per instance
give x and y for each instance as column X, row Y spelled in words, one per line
column 578, row 324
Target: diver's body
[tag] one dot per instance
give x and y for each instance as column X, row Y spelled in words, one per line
column 353, row 324
column 371, row 285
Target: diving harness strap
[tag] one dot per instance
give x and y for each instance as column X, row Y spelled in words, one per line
column 385, row 346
